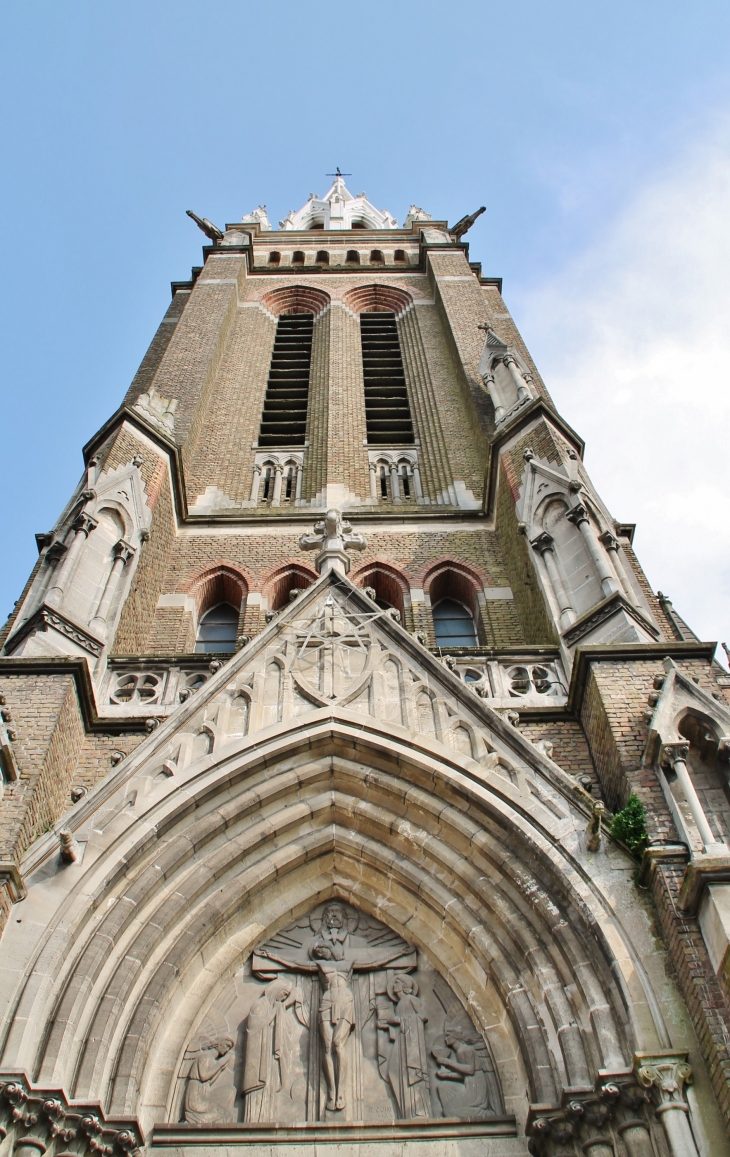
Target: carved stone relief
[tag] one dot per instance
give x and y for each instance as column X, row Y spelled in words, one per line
column 337, row 1018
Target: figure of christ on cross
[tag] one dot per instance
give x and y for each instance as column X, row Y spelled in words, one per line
column 336, row 1021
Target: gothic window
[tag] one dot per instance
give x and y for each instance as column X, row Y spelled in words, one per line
column 284, row 419
column 353, row 257
column 274, row 258
column 453, row 625
column 297, row 257
column 376, row 257
column 387, row 410
column 217, row 630
column 289, row 482
column 323, row 257
column 267, row 483
column 405, row 472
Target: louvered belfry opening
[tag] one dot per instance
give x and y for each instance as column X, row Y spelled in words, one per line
column 387, row 412
column 284, row 418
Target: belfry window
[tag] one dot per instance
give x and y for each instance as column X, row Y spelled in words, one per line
column 274, row 258
column 323, row 257
column 453, row 625
column 376, row 257
column 217, row 630
column 298, row 257
column 284, row 418
column 353, row 257
column 387, row 411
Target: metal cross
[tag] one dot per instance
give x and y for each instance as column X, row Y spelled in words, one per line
column 338, row 173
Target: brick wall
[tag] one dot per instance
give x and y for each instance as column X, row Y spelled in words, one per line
column 50, row 734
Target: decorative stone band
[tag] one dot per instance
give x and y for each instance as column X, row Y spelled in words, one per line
column 613, row 605
column 179, row 1136
column 45, row 618
column 43, row 1121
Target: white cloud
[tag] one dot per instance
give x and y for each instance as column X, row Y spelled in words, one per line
column 633, row 339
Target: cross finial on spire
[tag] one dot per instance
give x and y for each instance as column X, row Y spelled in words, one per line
column 338, row 174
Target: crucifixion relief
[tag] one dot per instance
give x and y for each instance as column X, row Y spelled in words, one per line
column 338, row 1018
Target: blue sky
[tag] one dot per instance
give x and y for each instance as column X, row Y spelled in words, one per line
column 597, row 135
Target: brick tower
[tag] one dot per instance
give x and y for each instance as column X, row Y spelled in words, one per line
column 316, row 710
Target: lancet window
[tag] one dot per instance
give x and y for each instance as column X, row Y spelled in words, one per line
column 217, row 630
column 453, row 625
column 284, row 418
column 387, row 410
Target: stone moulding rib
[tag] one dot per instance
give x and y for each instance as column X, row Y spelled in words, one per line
column 312, row 1132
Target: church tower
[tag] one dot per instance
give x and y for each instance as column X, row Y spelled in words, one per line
column 357, row 787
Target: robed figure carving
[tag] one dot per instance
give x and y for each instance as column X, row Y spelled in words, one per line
column 405, row 1064
column 269, row 1056
column 207, row 1063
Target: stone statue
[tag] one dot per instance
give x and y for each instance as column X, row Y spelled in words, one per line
column 208, row 1063
column 270, row 1048
column 405, row 1064
column 465, row 1078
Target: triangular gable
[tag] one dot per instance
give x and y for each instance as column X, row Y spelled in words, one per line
column 334, row 652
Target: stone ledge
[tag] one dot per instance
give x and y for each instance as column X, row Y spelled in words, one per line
column 179, row 1135
column 671, row 852
column 78, row 668
column 701, row 871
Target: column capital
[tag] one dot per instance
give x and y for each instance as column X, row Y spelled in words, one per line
column 543, row 542
column 609, row 540
column 666, row 1075
column 577, row 514
column 123, row 550
column 84, row 523
column 674, row 752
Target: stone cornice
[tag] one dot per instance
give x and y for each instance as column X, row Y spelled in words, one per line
column 627, row 652
column 603, row 611
column 45, row 618
column 538, row 408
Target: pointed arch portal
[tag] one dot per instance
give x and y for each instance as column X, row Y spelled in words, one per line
column 329, row 919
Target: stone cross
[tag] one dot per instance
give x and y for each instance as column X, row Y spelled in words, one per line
column 334, row 537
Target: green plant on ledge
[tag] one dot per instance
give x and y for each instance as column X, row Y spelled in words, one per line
column 629, row 825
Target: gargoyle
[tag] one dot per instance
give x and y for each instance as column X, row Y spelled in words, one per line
column 208, row 227
column 463, row 226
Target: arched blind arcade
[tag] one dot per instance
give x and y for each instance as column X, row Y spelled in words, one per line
column 284, row 418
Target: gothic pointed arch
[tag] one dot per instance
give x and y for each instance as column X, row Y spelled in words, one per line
column 296, row 299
